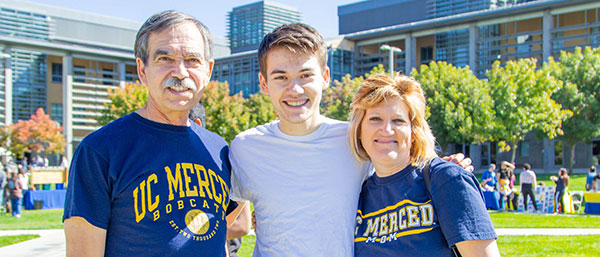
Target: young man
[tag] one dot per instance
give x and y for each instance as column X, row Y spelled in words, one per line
column 589, row 182
column 153, row 183
column 298, row 171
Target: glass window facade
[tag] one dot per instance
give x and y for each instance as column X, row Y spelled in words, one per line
column 29, row 82
column 248, row 24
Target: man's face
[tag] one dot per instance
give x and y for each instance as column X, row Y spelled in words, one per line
column 295, row 84
column 175, row 54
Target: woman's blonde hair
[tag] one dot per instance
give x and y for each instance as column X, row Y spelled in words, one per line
column 375, row 90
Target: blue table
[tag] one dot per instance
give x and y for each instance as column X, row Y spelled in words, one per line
column 52, row 199
column 492, row 200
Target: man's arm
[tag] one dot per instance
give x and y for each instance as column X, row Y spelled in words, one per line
column 83, row 238
column 460, row 159
column 240, row 226
column 476, row 248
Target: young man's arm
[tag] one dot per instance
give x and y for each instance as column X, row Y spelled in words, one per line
column 241, row 225
column 83, row 238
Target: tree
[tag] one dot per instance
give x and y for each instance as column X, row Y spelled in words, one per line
column 224, row 113
column 580, row 71
column 260, row 110
column 122, row 102
column 459, row 106
column 38, row 134
column 336, row 99
column 523, row 103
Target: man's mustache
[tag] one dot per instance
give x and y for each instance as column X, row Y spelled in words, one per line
column 186, row 82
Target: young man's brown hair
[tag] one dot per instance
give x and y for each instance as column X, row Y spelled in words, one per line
column 298, row 38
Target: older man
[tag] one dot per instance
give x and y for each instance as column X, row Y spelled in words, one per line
column 153, row 183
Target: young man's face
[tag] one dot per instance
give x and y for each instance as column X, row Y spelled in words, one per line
column 175, row 53
column 295, row 83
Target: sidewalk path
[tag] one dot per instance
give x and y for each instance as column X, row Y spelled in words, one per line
column 51, row 243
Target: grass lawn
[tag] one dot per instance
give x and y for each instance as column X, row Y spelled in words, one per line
column 571, row 246
column 33, row 219
column 523, row 220
column 9, row 240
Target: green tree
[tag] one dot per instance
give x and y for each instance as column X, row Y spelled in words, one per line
column 580, row 71
column 224, row 113
column 523, row 103
column 459, row 106
column 336, row 99
column 36, row 135
column 260, row 110
column 122, row 102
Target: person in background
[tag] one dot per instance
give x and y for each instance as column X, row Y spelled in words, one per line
column 506, row 183
column 64, row 162
column 562, row 182
column 241, row 225
column 589, row 182
column 415, row 204
column 489, row 179
column 15, row 193
column 528, row 181
column 3, row 180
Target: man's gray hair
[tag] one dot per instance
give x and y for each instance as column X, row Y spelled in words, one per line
column 160, row 21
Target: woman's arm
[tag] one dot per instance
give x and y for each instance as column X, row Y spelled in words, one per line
column 477, row 248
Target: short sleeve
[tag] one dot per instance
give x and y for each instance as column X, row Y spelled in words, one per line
column 238, row 187
column 460, row 205
column 88, row 192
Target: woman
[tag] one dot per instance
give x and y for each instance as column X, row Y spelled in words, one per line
column 507, row 182
column 562, row 182
column 398, row 215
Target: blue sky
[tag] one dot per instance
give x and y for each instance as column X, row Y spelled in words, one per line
column 320, row 14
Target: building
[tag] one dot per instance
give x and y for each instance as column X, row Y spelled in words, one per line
column 248, row 24
column 63, row 61
column 489, row 31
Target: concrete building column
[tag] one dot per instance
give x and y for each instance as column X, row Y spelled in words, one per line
column 67, row 78
column 122, row 79
column 410, row 53
column 475, row 156
column 548, row 153
column 473, row 38
column 8, row 103
column 547, row 26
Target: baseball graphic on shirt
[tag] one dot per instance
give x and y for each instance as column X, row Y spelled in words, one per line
column 197, row 221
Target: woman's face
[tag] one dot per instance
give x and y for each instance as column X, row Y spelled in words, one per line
column 386, row 135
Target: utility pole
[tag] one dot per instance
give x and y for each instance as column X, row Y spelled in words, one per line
column 392, row 50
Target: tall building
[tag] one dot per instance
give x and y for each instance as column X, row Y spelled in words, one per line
column 477, row 33
column 248, row 24
column 373, row 14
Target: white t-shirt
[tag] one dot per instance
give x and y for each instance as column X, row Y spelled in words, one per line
column 305, row 189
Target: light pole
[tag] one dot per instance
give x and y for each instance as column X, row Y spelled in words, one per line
column 392, row 50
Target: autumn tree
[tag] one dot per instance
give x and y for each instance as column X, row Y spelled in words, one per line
column 38, row 134
column 459, row 106
column 523, row 103
column 580, row 71
column 122, row 102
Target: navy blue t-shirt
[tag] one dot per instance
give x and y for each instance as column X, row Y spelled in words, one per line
column 158, row 189
column 397, row 217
